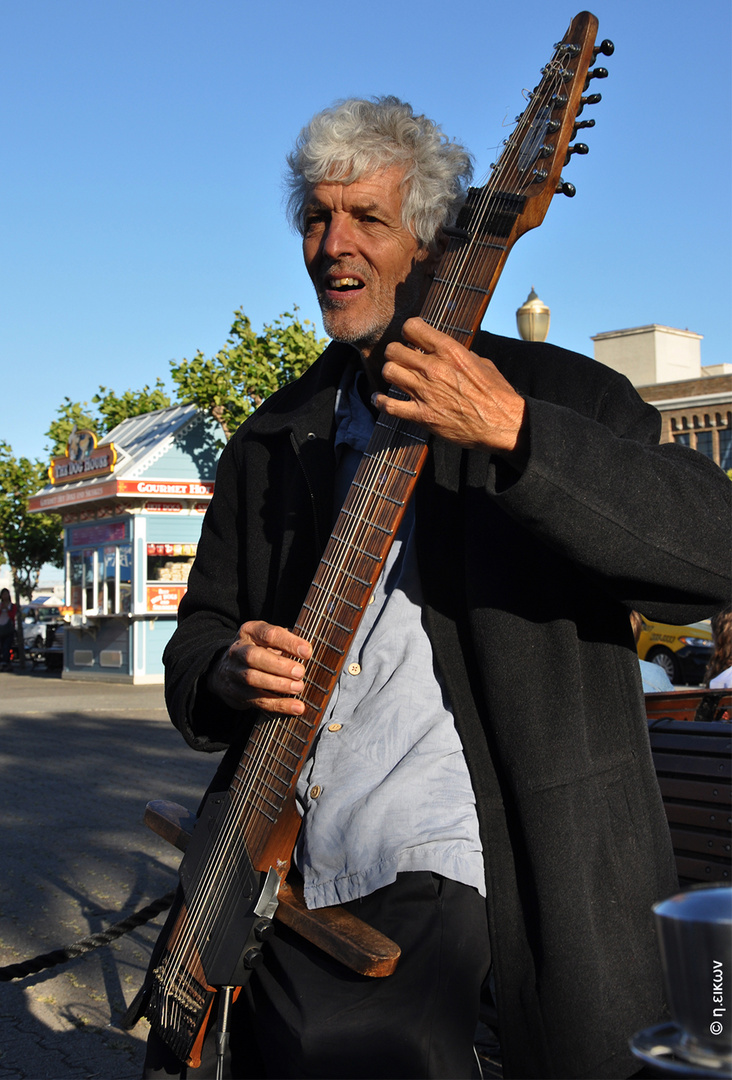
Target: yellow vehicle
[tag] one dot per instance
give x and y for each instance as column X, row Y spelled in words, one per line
column 682, row 651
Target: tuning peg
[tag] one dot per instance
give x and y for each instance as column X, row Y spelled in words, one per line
column 565, row 188
column 591, row 99
column 606, row 48
column 596, row 73
column 568, row 48
column 578, row 148
column 582, row 124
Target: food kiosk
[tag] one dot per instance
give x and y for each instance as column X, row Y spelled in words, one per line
column 131, row 505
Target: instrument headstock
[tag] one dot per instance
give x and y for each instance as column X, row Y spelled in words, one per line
column 523, row 181
column 540, row 145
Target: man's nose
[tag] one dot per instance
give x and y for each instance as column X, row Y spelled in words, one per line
column 339, row 238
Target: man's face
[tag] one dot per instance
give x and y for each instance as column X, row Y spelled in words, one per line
column 367, row 268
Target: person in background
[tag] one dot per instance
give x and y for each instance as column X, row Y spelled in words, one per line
column 655, row 679
column 7, row 628
column 718, row 675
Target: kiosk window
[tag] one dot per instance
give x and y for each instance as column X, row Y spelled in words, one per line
column 169, row 562
column 100, row 580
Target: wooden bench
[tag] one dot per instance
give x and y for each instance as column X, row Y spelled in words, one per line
column 707, row 705
column 693, row 760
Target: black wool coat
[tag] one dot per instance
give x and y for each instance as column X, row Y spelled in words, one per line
column 528, row 580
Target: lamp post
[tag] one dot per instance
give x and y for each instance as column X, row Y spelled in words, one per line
column 532, row 318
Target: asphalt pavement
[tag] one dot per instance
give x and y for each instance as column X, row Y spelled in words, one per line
column 78, row 763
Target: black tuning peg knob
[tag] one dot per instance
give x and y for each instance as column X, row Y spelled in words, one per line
column 578, row 148
column 606, row 48
column 564, row 188
column 591, row 99
column 582, row 124
column 596, row 73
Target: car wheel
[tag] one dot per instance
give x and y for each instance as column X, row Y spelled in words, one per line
column 666, row 660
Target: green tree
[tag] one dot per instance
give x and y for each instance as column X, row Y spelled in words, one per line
column 114, row 408
column 72, row 414
column 27, row 541
column 250, row 367
column 111, row 409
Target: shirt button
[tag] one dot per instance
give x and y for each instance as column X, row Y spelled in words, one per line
column 315, row 790
column 334, row 727
column 354, row 669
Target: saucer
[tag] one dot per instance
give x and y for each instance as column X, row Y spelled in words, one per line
column 662, row 1048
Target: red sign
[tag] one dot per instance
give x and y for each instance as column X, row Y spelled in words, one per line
column 164, row 507
column 54, row 499
column 164, row 598
column 165, row 487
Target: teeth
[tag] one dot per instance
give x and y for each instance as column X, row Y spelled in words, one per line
column 344, row 282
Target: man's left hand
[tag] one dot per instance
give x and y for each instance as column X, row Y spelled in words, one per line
column 454, row 393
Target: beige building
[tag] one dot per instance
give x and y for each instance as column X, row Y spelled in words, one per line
column 664, row 364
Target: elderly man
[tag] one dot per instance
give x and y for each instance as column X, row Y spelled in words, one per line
column 481, row 787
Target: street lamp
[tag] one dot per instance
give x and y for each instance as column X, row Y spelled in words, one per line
column 532, row 318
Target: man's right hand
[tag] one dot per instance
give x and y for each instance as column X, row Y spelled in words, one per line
column 262, row 669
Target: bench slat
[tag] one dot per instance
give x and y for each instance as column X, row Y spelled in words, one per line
column 693, row 765
column 705, row 843
column 689, row 741
column 702, row 817
column 690, row 705
column 702, row 869
column 674, row 787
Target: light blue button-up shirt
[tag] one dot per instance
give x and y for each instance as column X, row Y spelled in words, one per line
column 386, row 787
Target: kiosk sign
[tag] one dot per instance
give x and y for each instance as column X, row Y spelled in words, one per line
column 83, row 459
column 164, row 598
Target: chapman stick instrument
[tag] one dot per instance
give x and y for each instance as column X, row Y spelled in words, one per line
column 234, row 869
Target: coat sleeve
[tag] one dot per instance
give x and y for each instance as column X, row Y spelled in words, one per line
column 649, row 521
column 208, row 621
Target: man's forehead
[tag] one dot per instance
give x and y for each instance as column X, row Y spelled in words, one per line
column 380, row 187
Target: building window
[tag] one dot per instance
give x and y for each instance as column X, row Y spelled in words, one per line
column 683, row 438
column 725, row 448
column 704, row 444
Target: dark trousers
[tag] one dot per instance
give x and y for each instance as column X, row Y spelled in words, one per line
column 6, row 640
column 305, row 1015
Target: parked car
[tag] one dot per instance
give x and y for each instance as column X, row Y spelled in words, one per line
column 682, row 651
column 40, row 615
column 36, row 617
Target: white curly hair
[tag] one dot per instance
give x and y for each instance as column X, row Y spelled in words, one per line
column 356, row 137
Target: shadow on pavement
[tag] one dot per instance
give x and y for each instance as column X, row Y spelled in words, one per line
column 79, row 762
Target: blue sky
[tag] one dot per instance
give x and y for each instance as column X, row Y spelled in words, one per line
column 143, row 144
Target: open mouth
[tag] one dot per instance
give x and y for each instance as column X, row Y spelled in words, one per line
column 343, row 284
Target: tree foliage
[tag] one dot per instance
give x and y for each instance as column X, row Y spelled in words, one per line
column 27, row 541
column 250, row 367
column 111, row 409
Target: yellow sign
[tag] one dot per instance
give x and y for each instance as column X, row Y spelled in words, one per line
column 83, row 459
